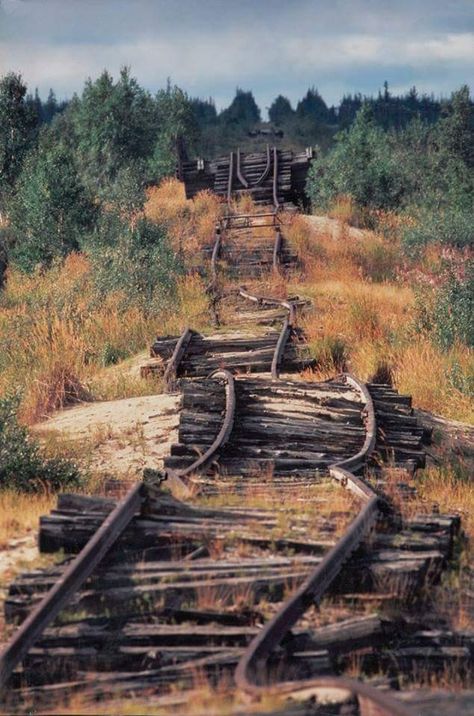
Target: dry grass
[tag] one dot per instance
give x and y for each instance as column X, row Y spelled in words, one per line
column 20, row 513
column 451, row 490
column 363, row 317
column 60, row 344
column 190, row 224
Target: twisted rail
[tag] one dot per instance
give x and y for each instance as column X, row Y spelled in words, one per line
column 181, row 476
column 240, row 174
column 371, row 701
column 266, row 171
column 275, row 178
column 215, row 253
column 277, row 249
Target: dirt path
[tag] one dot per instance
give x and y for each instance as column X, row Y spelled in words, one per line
column 121, row 437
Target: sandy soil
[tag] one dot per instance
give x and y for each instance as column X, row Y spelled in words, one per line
column 335, row 228
column 121, row 436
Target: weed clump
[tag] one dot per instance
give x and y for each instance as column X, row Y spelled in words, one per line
column 23, row 466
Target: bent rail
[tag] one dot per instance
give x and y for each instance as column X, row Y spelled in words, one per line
column 240, row 174
column 280, row 348
column 371, row 701
column 266, row 171
column 215, row 253
column 171, row 371
column 229, row 182
column 72, row 579
column 223, row 434
column 267, row 301
column 275, row 178
column 277, row 249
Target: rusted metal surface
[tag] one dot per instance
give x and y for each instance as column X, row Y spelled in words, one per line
column 74, row 576
column 223, row 434
column 240, row 174
column 215, row 253
column 231, row 176
column 371, row 701
column 266, row 171
column 280, row 348
column 290, row 305
column 277, row 249
column 276, row 200
column 171, row 371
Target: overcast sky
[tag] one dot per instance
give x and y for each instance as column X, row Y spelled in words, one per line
column 209, row 47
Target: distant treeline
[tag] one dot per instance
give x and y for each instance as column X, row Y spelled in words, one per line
column 70, row 171
column 311, row 122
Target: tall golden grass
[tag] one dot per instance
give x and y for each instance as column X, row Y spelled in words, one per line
column 57, row 337
column 363, row 315
column 190, row 224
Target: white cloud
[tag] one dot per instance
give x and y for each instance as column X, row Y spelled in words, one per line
column 351, row 45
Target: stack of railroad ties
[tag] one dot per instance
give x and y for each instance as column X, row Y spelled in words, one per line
column 218, row 581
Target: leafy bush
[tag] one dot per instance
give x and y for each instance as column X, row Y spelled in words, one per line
column 425, row 170
column 446, row 311
column 361, row 166
column 51, row 210
column 454, row 309
column 22, row 465
column 451, row 227
column 134, row 260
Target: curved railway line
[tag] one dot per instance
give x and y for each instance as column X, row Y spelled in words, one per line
column 279, row 506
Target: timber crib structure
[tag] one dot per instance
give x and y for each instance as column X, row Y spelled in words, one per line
column 278, row 498
column 275, row 177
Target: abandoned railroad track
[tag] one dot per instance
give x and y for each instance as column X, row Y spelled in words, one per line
column 281, row 559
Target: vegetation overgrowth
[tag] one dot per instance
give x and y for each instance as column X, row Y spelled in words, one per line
column 369, row 316
column 99, row 249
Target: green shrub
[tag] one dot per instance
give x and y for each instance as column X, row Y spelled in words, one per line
column 453, row 317
column 452, row 227
column 51, row 211
column 22, row 464
column 361, row 165
column 134, row 260
column 446, row 312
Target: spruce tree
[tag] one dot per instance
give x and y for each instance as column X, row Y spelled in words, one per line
column 281, row 110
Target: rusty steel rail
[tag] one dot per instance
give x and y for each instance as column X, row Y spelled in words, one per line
column 275, row 178
column 182, row 476
column 215, row 253
column 289, row 304
column 371, row 701
column 280, row 348
column 240, row 174
column 277, row 249
column 257, row 215
column 181, row 346
column 70, row 581
column 266, row 171
column 229, row 182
